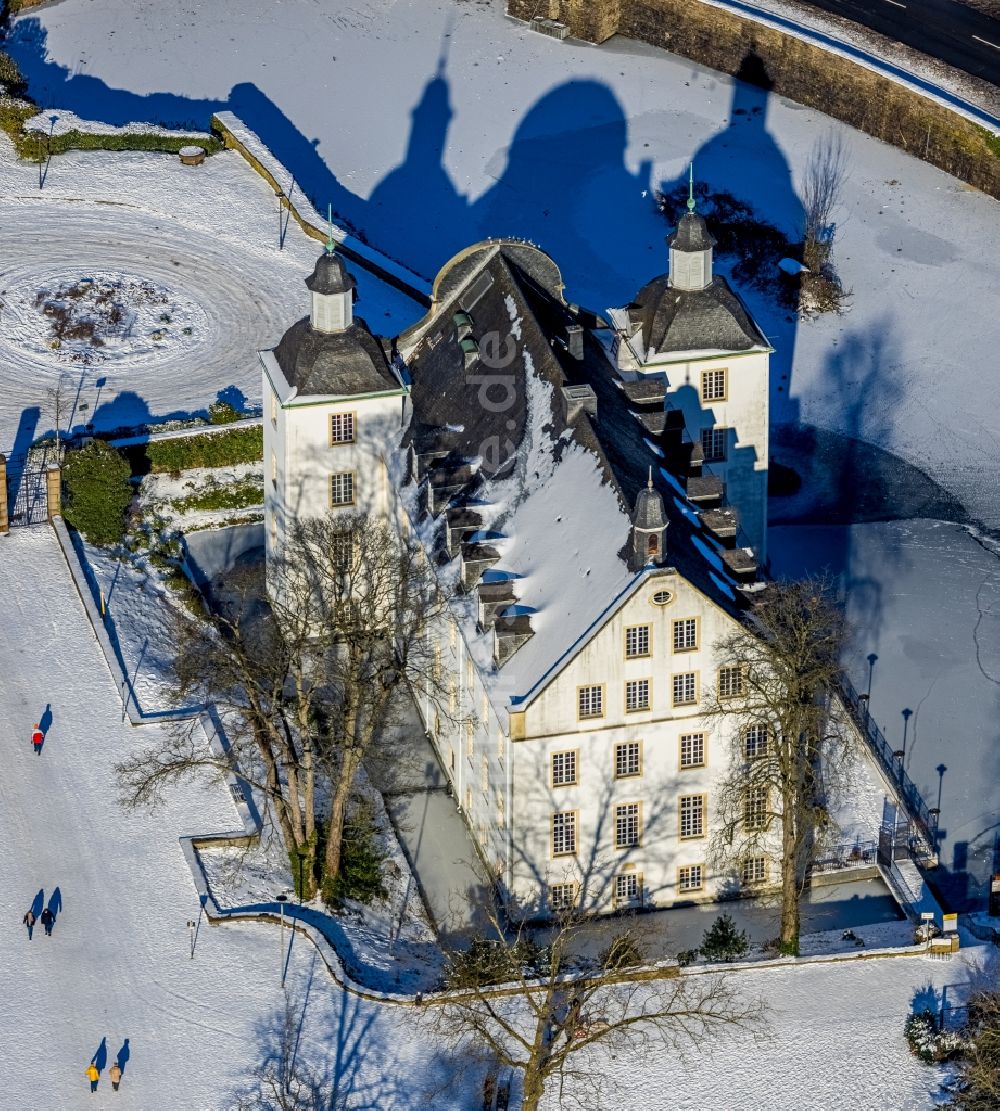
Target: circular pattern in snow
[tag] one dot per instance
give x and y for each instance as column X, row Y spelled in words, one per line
column 238, row 295
column 99, row 317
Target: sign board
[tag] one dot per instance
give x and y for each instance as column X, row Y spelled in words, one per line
column 950, row 923
column 927, row 916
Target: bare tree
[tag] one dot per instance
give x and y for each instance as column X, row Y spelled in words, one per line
column 543, row 1022
column 825, row 174
column 978, row 1079
column 305, row 679
column 790, row 758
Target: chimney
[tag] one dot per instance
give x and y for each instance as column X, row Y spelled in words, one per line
column 470, row 351
column 579, row 399
column 574, row 340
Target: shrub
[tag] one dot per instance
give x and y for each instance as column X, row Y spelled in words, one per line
column 221, row 412
column 10, row 74
column 927, row 1042
column 361, row 860
column 96, row 492
column 687, row 956
column 623, row 952
column 723, row 941
column 212, row 449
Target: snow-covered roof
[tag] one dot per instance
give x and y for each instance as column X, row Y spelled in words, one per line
column 510, row 477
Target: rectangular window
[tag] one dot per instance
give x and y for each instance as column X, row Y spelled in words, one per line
column 755, row 740
column 470, row 740
column 274, row 469
column 692, row 750
column 685, row 689
column 713, row 385
column 468, row 800
column 274, row 528
column 564, row 833
column 274, row 408
column 627, row 888
column 636, row 695
column 691, row 877
column 563, row 769
column 590, row 702
column 754, row 870
column 730, row 681
column 755, row 808
column 436, row 667
column 452, row 696
column 562, row 896
column 628, row 760
column 484, row 774
column 343, row 551
column 341, row 428
column 470, row 671
column 627, row 825
column 342, row 488
column 685, row 634
column 499, row 803
column 636, row 642
column 692, row 815
column 713, row 444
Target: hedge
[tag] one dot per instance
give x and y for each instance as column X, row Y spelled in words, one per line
column 211, row 449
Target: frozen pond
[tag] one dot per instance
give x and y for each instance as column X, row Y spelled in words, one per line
column 924, row 596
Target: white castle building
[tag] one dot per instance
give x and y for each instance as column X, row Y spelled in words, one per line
column 594, row 498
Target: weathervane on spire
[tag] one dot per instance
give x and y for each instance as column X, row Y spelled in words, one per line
column 330, row 245
column 690, row 187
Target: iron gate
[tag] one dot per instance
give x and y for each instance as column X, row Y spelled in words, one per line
column 27, row 493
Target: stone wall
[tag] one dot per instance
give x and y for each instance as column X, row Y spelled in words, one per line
column 793, row 68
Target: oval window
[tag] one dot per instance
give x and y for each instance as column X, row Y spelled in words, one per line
column 662, row 598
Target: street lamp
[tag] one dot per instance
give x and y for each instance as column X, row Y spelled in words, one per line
column 191, row 925
column 281, row 224
column 282, row 899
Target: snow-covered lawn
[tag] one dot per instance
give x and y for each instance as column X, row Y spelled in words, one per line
column 118, row 966
column 430, row 124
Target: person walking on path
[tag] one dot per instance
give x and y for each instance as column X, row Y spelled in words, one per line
column 37, row 738
column 93, row 1075
column 29, row 921
column 115, row 1076
column 48, row 921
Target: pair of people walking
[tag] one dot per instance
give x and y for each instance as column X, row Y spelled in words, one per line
column 93, row 1074
column 47, row 919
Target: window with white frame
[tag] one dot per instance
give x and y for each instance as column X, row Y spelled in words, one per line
column 274, row 528
column 755, row 808
column 342, row 488
column 627, row 825
column 343, row 551
column 754, row 870
column 713, row 385
column 501, row 821
column 564, row 833
column 470, row 739
column 628, row 760
column 636, row 695
column 562, row 896
column 692, row 750
column 730, row 681
column 484, row 773
column 274, row 469
column 691, row 877
column 755, row 740
column 627, row 888
column 341, row 428
column 685, row 634
column 563, row 769
column 590, row 701
column 713, row 444
column 692, row 815
column 636, row 642
column 685, row 688
column 274, row 407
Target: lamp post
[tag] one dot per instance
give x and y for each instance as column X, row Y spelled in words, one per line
column 281, row 223
column 191, row 931
column 281, row 900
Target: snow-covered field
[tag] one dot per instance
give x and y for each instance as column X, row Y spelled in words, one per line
column 118, row 965
column 430, row 124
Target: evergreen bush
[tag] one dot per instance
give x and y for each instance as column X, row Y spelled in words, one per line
column 723, row 941
column 96, row 492
column 360, row 875
column 212, row 449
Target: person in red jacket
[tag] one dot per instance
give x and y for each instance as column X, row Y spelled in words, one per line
column 37, row 738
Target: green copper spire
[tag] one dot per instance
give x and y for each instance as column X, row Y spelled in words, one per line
column 330, row 245
column 690, row 187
